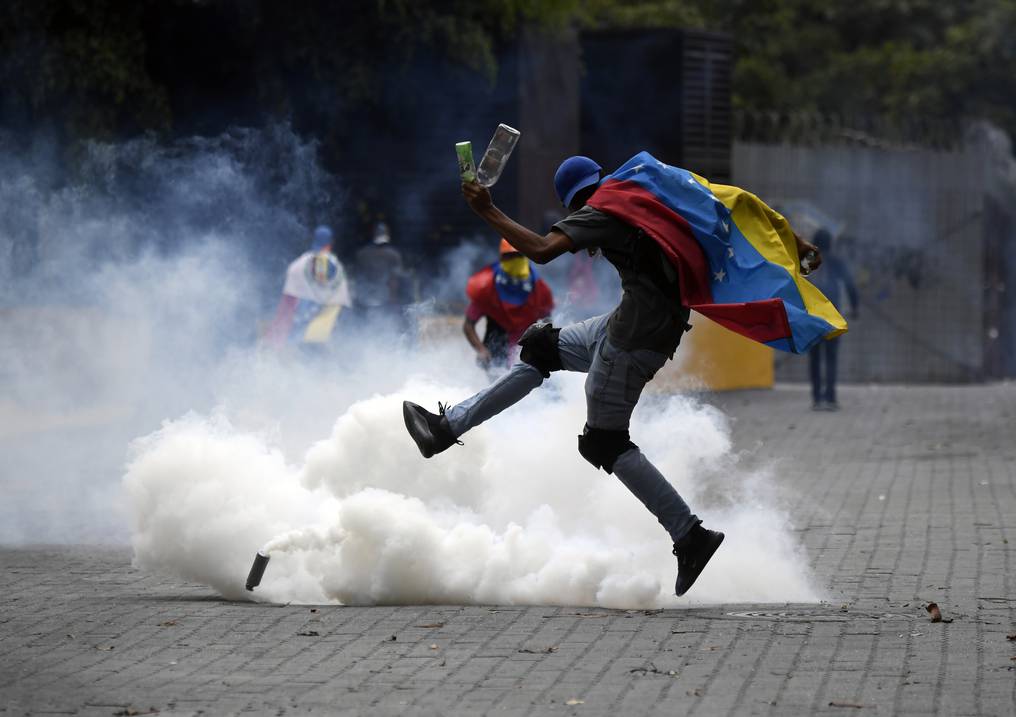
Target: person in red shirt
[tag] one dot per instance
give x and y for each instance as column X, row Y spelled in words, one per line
column 512, row 297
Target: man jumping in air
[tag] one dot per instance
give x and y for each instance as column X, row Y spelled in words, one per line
column 676, row 245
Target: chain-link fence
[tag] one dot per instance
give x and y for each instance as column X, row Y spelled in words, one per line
column 913, row 220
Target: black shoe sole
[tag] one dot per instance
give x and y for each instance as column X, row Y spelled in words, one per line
column 418, row 429
column 711, row 550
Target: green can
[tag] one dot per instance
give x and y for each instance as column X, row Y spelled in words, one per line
column 467, row 169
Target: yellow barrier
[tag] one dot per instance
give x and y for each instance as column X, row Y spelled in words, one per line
column 712, row 358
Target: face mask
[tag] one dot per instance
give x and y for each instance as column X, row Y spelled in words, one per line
column 516, row 267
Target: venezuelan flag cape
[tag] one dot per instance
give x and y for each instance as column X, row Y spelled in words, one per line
column 314, row 295
column 736, row 257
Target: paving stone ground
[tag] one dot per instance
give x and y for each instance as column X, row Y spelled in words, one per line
column 906, row 496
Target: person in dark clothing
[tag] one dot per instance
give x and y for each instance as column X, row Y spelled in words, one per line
column 620, row 352
column 377, row 283
column 831, row 281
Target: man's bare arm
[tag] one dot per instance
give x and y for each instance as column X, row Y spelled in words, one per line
column 540, row 249
column 469, row 329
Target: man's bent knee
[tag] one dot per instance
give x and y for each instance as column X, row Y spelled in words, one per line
column 602, row 448
column 539, row 348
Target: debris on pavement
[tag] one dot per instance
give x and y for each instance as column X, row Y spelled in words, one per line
column 651, row 669
column 936, row 613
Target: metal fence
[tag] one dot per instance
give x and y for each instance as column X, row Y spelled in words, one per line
column 914, row 222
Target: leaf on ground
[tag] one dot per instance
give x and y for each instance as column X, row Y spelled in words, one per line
column 574, row 701
column 167, row 623
column 936, row 613
column 309, row 633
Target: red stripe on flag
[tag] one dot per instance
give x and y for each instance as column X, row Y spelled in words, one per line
column 763, row 321
column 636, row 205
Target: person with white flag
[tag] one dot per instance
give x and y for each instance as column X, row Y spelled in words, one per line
column 314, row 295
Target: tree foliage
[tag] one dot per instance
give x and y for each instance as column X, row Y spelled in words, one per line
column 913, row 59
column 104, row 68
column 905, row 59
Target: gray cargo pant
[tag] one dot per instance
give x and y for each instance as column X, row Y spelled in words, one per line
column 614, row 382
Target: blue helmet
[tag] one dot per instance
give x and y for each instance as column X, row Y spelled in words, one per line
column 575, row 173
column 322, row 238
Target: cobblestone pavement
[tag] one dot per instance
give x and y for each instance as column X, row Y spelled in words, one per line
column 906, row 496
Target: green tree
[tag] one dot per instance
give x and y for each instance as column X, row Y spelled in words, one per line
column 79, row 66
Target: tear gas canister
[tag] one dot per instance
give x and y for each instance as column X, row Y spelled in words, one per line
column 496, row 157
column 467, row 170
column 257, row 570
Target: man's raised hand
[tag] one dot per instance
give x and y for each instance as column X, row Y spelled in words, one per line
column 477, row 197
column 808, row 249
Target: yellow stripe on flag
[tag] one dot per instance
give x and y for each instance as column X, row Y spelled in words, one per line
column 771, row 235
column 319, row 330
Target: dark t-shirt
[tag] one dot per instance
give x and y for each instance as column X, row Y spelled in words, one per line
column 650, row 315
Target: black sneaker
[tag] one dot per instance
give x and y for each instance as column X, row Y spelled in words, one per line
column 693, row 551
column 430, row 430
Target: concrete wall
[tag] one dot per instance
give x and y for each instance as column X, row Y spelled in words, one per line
column 917, row 222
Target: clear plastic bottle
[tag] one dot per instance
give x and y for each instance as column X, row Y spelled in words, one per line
column 496, row 157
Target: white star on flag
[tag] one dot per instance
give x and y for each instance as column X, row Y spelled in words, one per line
column 638, row 167
column 661, row 165
column 726, row 227
column 719, row 275
column 730, row 252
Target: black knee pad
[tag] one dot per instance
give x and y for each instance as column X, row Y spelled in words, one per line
column 602, row 448
column 539, row 348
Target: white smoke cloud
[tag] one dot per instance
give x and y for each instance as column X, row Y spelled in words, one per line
column 133, row 324
column 128, row 290
column 513, row 516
